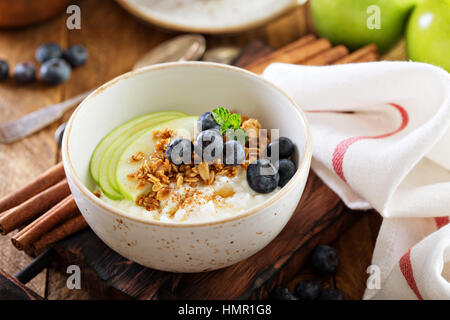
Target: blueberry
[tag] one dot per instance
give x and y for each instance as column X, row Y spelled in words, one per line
column 76, row 55
column 308, row 290
column 206, row 121
column 262, row 176
column 209, row 145
column 4, row 70
column 179, row 151
column 286, row 169
column 233, row 153
column 280, row 293
column 48, row 51
column 284, row 145
column 55, row 71
column 325, row 260
column 25, row 72
column 331, row 294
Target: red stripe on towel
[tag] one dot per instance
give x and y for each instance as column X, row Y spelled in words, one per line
column 441, row 222
column 406, row 269
column 342, row 147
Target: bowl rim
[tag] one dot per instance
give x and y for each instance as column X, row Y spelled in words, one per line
column 147, row 16
column 75, row 179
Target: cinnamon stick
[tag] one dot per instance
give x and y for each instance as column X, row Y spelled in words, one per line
column 296, row 44
column 33, row 207
column 369, row 57
column 358, row 55
column 278, row 54
column 4, row 213
column 293, row 56
column 61, row 212
column 327, row 57
column 64, row 230
column 44, row 181
column 255, row 50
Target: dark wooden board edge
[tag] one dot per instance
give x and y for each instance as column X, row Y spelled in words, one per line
column 12, row 289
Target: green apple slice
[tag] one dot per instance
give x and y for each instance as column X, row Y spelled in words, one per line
column 118, row 146
column 94, row 166
column 184, row 127
column 120, row 143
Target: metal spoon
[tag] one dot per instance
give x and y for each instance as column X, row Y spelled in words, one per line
column 222, row 54
column 182, row 48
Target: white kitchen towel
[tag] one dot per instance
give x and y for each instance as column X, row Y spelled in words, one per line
column 381, row 139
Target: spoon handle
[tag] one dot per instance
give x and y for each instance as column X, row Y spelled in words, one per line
column 32, row 122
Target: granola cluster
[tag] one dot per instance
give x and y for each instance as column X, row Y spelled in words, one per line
column 163, row 176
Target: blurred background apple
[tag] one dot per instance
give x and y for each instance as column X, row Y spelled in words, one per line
column 428, row 33
column 346, row 21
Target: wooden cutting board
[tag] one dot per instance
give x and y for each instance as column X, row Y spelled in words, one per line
column 12, row 289
column 319, row 218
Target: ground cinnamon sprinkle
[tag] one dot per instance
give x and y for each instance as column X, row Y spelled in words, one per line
column 161, row 173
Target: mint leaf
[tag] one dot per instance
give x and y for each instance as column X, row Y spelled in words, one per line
column 234, row 121
column 225, row 127
column 221, row 115
column 226, row 120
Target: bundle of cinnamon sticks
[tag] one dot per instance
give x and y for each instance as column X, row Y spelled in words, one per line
column 44, row 208
column 310, row 50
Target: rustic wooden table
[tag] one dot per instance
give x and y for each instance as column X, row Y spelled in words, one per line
column 115, row 40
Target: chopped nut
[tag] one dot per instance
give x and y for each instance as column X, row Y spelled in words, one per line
column 251, row 124
column 137, row 157
column 141, row 184
column 180, row 181
column 211, row 177
column 163, row 134
column 225, row 191
column 163, row 194
column 203, row 170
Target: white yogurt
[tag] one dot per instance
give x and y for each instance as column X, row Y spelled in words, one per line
column 208, row 206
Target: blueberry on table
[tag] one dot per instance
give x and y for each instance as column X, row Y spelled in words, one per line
column 325, row 260
column 48, row 51
column 284, row 145
column 209, row 145
column 206, row 121
column 280, row 293
column 308, row 290
column 25, row 72
column 179, row 151
column 4, row 70
column 262, row 176
column 76, row 55
column 55, row 71
column 286, row 169
column 233, row 153
column 331, row 294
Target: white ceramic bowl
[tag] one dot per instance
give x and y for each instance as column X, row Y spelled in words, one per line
column 192, row 87
column 212, row 17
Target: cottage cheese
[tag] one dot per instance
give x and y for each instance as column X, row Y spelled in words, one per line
column 225, row 198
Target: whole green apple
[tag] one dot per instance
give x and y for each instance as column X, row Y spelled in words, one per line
column 356, row 23
column 428, row 33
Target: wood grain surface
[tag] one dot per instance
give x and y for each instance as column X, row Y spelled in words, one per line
column 12, row 289
column 319, row 218
column 115, row 40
